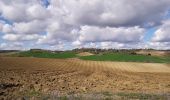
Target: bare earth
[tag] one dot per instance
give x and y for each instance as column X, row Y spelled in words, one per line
column 70, row 76
column 85, row 54
column 153, row 52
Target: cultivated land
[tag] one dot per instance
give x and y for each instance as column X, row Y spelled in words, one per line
column 46, row 54
column 85, row 54
column 111, row 56
column 38, row 78
column 124, row 57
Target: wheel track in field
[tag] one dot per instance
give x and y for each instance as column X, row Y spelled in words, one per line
column 65, row 75
column 80, row 65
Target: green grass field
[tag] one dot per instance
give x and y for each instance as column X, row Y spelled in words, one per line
column 127, row 58
column 124, row 57
column 44, row 54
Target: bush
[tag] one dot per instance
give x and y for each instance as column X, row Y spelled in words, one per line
column 133, row 53
column 149, row 54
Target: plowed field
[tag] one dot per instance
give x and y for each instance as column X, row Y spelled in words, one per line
column 19, row 76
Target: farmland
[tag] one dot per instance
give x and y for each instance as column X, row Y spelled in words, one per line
column 128, row 58
column 112, row 56
column 45, row 54
column 84, row 50
column 40, row 74
column 29, row 77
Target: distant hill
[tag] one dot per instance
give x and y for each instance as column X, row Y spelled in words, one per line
column 8, row 51
column 154, row 52
column 85, row 54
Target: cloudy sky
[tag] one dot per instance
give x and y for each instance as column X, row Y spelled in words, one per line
column 68, row 24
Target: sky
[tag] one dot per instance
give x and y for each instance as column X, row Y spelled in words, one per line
column 69, row 24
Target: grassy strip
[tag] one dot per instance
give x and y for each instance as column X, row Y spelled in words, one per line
column 124, row 57
column 142, row 96
column 127, row 58
column 44, row 54
column 97, row 96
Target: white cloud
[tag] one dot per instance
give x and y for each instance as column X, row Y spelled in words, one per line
column 1, row 27
column 11, row 37
column 32, row 27
column 121, row 34
column 16, row 10
column 163, row 32
column 21, row 37
column 37, row 11
column 161, row 38
column 7, row 28
column 57, row 47
column 76, row 43
column 112, row 12
column 58, row 32
column 88, row 23
column 159, row 45
column 13, row 46
column 107, row 45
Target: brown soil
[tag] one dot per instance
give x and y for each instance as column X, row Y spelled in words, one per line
column 19, row 76
column 85, row 54
column 152, row 52
column 7, row 54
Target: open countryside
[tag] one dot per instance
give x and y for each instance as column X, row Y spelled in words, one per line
column 84, row 49
column 45, row 73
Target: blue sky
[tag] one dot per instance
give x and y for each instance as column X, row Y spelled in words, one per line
column 46, row 2
column 63, row 24
column 149, row 34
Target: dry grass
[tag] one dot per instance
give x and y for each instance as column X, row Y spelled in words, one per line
column 152, row 52
column 85, row 54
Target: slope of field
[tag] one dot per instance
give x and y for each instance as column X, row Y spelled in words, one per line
column 152, row 52
column 33, row 76
column 127, row 57
column 85, row 54
column 123, row 57
column 75, row 64
column 8, row 54
column 45, row 54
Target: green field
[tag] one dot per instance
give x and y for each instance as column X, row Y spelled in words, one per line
column 45, row 54
column 127, row 58
column 124, row 57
